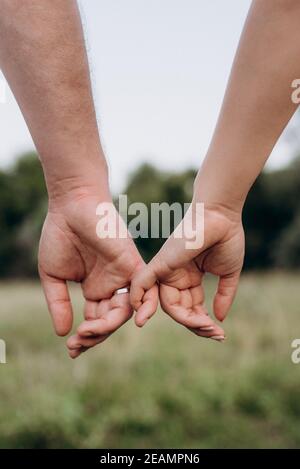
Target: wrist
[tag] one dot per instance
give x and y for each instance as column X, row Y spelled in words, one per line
column 64, row 189
column 217, row 193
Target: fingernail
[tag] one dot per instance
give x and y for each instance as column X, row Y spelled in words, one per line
column 207, row 328
column 219, row 338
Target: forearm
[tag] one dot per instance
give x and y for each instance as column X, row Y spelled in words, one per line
column 257, row 104
column 42, row 54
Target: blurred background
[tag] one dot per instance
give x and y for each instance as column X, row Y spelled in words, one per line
column 159, row 71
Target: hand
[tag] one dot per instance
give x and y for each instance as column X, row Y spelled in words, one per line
column 71, row 250
column 180, row 271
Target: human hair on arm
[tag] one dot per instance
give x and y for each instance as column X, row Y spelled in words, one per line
column 43, row 56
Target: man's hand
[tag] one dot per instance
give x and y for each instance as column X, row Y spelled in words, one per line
column 43, row 56
column 180, row 272
column 71, row 250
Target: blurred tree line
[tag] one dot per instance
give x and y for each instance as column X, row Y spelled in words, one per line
column 271, row 216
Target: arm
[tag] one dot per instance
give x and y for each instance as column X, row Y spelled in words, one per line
column 257, row 104
column 256, row 108
column 43, row 56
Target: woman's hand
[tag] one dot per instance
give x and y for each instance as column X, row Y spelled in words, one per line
column 180, row 270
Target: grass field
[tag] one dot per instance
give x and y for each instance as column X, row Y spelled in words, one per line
column 156, row 387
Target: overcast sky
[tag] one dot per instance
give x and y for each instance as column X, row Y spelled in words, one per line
column 159, row 70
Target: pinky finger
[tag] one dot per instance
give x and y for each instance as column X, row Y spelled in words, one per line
column 148, row 307
column 215, row 333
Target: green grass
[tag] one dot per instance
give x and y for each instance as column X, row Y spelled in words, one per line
column 156, row 387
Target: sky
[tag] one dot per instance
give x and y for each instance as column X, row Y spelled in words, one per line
column 159, row 70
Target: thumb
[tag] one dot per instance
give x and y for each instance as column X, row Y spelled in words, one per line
column 59, row 303
column 144, row 294
column 226, row 291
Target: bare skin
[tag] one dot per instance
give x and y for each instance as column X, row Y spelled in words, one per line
column 70, row 250
column 43, row 56
column 256, row 108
